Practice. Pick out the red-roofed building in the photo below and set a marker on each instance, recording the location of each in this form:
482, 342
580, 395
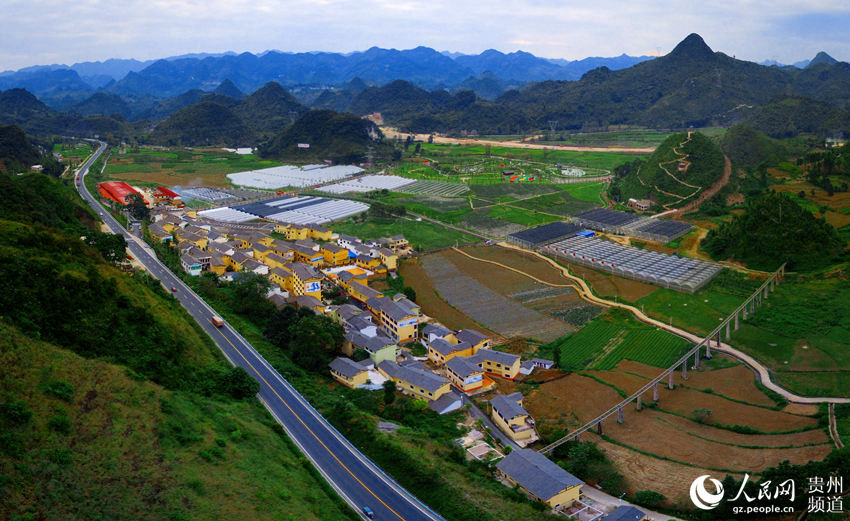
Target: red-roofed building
116, 191
164, 195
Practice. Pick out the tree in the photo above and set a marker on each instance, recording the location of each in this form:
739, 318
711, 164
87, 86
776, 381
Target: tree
389, 392
137, 207
701, 415
239, 384
649, 498
410, 293
249, 296
111, 246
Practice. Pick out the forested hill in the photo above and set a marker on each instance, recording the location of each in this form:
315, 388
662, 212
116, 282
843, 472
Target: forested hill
690, 86
774, 229
221, 120
336, 136
681, 168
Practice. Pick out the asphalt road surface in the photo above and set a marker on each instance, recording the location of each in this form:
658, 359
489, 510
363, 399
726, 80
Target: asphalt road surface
354, 477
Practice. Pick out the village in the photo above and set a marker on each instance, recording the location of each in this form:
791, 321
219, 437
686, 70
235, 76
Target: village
450, 369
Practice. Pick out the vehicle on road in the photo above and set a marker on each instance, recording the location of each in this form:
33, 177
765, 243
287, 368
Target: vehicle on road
368, 512
173, 288
217, 321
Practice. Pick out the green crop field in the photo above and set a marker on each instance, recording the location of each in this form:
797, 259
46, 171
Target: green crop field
180, 166
615, 336
422, 235
649, 346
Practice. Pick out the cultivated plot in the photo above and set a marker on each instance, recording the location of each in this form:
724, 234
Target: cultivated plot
485, 306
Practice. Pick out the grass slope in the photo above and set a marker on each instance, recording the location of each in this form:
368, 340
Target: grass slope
102, 445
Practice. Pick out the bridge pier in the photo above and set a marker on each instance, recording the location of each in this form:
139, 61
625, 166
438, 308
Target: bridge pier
729, 330
766, 292
670, 381
716, 339
599, 428
707, 350
620, 415
736, 319
758, 297
655, 391
696, 359
640, 402
685, 370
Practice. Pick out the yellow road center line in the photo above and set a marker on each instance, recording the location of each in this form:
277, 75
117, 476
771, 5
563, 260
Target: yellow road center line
308, 428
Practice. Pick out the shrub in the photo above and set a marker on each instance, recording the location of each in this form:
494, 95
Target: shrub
16, 412
60, 423
61, 389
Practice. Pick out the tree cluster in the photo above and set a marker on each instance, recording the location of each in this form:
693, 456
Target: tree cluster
308, 339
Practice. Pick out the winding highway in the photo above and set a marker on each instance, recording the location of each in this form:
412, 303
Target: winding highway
352, 475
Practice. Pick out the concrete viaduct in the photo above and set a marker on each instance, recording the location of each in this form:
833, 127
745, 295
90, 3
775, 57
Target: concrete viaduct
724, 329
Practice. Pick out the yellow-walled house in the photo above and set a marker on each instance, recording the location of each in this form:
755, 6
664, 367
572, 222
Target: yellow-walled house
260, 251
499, 363
319, 233
415, 380
334, 255
217, 264
394, 320
348, 372
388, 258
273, 260
267, 241
280, 277
305, 280
467, 377
511, 418
540, 478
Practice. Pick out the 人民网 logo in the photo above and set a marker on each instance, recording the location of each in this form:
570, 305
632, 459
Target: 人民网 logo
701, 497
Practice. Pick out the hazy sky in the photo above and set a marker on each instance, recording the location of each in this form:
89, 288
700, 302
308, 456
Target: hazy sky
52, 31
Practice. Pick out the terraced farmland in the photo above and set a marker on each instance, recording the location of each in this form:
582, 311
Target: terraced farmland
607, 340
434, 188
494, 311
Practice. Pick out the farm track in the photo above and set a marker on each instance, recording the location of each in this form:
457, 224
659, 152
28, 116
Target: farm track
833, 428
392, 133
584, 291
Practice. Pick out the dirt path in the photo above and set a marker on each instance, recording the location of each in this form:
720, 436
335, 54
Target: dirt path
709, 192
584, 291
392, 133
833, 428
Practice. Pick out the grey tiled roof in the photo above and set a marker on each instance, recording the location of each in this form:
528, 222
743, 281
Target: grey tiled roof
470, 335
346, 367
507, 406
625, 513
461, 367
373, 344
393, 310
435, 329
445, 348
451, 401
536, 473
418, 377
498, 357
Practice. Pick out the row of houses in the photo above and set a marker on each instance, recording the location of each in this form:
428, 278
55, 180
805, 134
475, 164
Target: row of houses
291, 264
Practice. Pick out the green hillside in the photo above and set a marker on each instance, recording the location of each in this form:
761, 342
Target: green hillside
774, 229
84, 439
679, 169
114, 404
748, 147
340, 137
204, 123
794, 115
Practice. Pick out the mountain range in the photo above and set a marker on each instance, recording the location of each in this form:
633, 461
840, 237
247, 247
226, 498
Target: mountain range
690, 86
61, 86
